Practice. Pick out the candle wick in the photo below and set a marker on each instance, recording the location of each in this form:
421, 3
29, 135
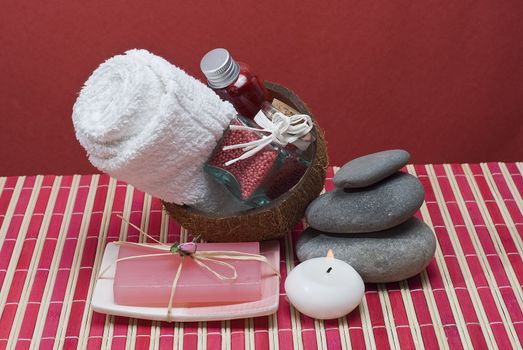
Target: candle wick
329, 269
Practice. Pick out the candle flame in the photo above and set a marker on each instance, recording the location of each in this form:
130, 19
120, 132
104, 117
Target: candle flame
330, 254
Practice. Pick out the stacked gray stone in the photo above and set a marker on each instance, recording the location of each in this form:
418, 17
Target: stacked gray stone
368, 220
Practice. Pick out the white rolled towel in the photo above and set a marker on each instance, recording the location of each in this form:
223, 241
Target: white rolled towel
145, 121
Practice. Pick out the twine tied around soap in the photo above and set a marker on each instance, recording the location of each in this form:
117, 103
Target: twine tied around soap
281, 130
189, 249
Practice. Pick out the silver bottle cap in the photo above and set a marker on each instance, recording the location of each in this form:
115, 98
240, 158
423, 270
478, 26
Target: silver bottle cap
219, 68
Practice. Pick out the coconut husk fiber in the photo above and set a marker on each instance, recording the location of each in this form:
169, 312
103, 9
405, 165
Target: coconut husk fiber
280, 215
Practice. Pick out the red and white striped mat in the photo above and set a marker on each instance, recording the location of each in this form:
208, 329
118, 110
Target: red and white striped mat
53, 230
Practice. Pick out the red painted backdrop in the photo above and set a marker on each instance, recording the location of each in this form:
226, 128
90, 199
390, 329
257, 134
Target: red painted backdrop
442, 79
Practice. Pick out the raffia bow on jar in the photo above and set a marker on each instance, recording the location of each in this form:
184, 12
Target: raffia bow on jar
204, 259
249, 156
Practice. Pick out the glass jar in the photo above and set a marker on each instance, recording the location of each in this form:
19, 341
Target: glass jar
247, 178
256, 165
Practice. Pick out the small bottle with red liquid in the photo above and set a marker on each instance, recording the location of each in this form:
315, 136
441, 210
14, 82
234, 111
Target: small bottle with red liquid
234, 82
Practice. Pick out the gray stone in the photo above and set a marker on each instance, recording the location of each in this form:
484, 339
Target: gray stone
380, 257
370, 169
375, 208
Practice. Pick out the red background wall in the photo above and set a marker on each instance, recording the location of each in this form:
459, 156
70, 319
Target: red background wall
442, 79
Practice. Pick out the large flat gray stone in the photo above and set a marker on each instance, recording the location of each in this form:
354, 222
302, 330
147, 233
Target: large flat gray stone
374, 208
387, 256
370, 169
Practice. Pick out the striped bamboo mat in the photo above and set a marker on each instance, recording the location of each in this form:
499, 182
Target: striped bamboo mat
53, 230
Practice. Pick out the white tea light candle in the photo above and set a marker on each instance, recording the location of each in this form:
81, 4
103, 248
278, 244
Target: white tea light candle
324, 288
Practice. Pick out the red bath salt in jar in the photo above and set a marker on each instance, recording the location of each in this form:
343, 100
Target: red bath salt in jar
254, 160
245, 178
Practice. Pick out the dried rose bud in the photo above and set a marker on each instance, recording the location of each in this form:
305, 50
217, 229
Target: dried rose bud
187, 248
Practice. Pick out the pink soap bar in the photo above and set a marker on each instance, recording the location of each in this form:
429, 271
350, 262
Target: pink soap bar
147, 281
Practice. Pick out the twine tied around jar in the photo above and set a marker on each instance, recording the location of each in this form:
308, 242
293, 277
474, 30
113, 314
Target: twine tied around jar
281, 130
